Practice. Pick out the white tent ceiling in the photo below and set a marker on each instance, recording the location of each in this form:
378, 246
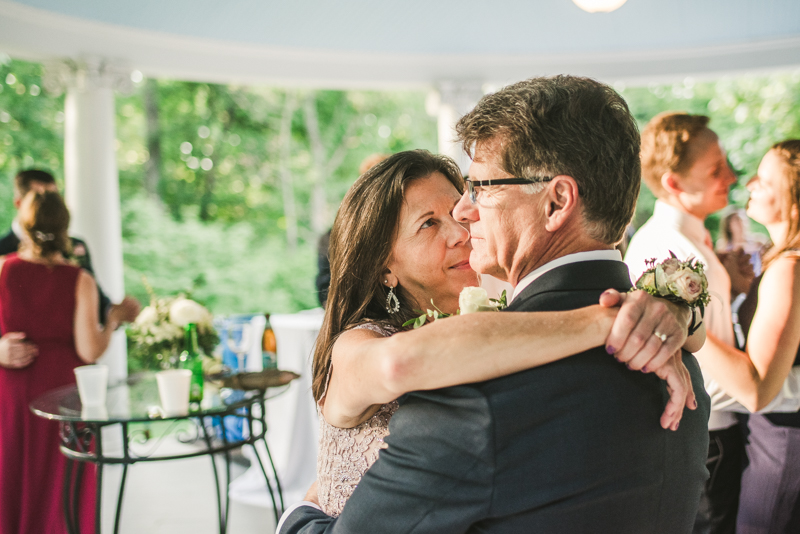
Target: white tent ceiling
369, 43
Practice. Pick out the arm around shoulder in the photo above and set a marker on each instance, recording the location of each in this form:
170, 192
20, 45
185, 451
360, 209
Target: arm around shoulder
369, 369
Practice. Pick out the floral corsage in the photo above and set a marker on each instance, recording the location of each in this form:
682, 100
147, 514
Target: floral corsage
470, 300
683, 282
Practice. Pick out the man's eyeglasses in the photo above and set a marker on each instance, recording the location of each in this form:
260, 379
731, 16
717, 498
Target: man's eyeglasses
472, 184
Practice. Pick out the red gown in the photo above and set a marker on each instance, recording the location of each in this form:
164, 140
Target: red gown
40, 301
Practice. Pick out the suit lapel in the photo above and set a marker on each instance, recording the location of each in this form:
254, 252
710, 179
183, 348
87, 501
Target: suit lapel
577, 277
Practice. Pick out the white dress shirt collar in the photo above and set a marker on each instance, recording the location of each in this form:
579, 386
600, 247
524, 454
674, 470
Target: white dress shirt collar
592, 255
16, 228
688, 225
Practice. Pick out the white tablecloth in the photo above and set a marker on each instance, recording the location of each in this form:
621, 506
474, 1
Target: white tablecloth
291, 417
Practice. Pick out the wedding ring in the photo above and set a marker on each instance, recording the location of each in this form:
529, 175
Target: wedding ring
660, 336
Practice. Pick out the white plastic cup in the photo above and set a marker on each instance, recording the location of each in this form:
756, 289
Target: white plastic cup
92, 384
173, 388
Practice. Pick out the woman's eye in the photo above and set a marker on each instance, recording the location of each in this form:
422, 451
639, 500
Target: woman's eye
427, 224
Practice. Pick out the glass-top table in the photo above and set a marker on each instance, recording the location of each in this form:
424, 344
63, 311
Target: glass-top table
136, 401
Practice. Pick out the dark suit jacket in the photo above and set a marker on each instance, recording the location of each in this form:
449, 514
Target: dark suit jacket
574, 446
10, 243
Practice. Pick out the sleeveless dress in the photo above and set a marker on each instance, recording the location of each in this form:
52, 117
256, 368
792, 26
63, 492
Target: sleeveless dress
769, 502
38, 300
345, 454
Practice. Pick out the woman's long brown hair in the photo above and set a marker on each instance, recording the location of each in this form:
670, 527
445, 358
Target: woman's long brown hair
361, 243
789, 153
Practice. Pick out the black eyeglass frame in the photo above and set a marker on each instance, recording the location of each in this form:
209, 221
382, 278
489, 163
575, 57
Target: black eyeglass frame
471, 184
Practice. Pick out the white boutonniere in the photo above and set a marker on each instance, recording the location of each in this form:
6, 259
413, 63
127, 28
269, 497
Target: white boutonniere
470, 300
677, 281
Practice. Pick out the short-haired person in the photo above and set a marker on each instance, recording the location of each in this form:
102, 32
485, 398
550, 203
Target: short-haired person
685, 166
13, 346
571, 446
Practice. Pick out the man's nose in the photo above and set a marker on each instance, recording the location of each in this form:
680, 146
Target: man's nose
465, 211
751, 183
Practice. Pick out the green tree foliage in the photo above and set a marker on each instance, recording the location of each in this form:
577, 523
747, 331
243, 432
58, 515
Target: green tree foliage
749, 114
31, 127
225, 189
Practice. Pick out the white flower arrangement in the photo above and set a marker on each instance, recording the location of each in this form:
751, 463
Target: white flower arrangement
156, 337
677, 281
470, 300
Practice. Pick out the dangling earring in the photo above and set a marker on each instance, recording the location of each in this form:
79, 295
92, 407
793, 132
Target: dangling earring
392, 304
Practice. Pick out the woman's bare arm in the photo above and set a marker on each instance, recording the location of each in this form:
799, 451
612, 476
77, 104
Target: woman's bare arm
370, 370
91, 341
755, 377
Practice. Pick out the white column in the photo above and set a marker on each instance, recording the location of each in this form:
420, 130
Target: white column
92, 179
450, 103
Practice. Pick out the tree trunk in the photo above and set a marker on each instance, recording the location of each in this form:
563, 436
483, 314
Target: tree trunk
152, 167
208, 194
287, 180
319, 201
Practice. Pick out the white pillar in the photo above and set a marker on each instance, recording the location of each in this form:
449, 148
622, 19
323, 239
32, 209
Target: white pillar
452, 101
92, 179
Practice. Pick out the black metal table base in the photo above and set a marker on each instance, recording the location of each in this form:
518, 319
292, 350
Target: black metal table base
82, 443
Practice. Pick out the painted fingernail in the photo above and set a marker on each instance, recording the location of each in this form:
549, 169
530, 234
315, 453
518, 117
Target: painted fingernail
677, 425
610, 349
694, 403
629, 366
644, 369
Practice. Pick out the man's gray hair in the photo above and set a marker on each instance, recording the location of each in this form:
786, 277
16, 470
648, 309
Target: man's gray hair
566, 125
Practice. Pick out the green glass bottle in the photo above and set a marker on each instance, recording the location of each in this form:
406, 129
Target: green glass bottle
192, 360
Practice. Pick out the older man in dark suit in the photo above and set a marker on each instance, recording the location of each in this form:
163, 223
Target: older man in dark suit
569, 447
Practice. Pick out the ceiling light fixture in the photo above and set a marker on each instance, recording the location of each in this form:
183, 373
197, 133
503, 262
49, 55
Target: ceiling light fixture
599, 6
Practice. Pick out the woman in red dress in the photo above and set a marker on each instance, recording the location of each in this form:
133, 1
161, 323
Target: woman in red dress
53, 304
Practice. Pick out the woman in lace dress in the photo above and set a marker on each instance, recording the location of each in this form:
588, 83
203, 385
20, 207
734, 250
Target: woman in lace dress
395, 248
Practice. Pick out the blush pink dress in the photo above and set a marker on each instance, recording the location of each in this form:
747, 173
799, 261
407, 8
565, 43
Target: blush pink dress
345, 454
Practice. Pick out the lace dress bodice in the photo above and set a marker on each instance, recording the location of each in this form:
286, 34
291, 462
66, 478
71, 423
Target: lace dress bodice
345, 454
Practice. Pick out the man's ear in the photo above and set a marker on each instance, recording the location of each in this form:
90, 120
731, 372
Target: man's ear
561, 201
671, 183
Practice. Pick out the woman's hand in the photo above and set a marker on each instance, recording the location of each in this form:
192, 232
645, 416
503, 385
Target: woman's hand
311, 494
647, 331
679, 386
15, 352
648, 335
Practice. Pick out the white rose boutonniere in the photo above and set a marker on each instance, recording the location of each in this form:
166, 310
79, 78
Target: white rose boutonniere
470, 300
